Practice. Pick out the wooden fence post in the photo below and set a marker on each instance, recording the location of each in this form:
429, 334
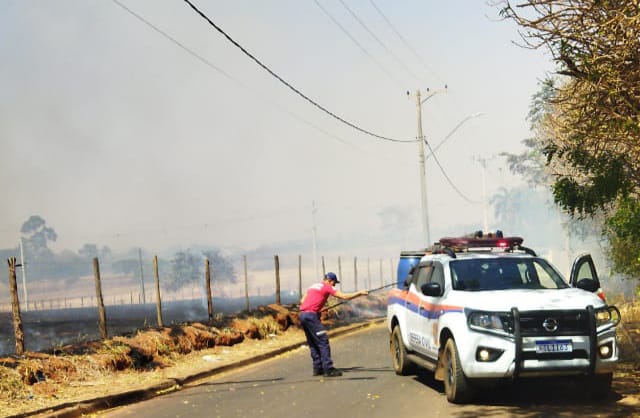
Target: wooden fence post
101, 313
299, 276
207, 271
247, 306
15, 305
355, 272
277, 262
144, 299
391, 269
158, 299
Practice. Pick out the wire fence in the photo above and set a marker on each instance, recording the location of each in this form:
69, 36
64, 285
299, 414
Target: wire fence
42, 293
54, 312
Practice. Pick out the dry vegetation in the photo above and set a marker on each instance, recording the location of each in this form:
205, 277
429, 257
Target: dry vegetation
74, 373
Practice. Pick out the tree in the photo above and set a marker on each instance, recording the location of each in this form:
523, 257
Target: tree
594, 117
588, 127
128, 266
185, 268
531, 164
221, 267
36, 235
88, 251
623, 229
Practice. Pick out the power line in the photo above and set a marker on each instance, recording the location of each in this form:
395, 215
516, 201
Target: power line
353, 39
373, 35
238, 82
179, 44
406, 43
462, 195
291, 87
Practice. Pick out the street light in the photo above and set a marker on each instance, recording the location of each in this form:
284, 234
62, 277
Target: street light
422, 158
423, 175
471, 116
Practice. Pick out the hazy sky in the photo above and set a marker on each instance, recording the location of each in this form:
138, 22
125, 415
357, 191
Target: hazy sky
118, 136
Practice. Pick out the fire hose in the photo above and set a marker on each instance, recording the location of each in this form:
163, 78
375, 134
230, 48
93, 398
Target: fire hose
326, 308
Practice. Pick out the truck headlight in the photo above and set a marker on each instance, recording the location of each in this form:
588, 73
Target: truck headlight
495, 322
607, 317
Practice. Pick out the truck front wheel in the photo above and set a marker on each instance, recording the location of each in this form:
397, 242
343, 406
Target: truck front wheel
456, 385
599, 386
401, 364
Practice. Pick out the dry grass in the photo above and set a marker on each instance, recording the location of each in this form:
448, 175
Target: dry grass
36, 380
75, 372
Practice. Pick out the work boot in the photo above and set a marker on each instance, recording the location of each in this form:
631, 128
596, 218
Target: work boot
332, 372
318, 372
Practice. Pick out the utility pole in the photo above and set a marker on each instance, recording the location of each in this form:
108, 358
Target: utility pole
485, 210
315, 238
421, 160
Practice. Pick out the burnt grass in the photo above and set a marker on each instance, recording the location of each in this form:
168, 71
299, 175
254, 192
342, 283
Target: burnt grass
133, 347
48, 329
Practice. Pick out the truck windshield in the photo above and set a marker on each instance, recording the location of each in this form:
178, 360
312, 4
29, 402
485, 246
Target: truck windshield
504, 273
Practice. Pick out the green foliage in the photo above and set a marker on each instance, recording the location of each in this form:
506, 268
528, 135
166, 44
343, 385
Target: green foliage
586, 121
623, 230
588, 126
608, 180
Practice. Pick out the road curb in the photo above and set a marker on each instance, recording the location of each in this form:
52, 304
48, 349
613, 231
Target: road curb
172, 384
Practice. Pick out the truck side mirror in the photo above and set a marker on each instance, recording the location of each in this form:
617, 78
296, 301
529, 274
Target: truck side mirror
431, 289
590, 285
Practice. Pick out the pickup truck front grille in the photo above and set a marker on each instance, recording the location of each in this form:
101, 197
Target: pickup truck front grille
554, 323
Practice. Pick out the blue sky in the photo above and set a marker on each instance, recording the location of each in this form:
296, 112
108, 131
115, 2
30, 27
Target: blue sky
119, 137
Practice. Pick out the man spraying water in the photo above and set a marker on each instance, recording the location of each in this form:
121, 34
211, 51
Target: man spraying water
317, 339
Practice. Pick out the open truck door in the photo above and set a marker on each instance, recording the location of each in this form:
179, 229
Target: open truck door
584, 275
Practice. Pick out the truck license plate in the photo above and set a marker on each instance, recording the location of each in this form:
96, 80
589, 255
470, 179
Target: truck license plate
562, 346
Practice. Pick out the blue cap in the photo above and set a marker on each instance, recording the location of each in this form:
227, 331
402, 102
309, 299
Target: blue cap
331, 276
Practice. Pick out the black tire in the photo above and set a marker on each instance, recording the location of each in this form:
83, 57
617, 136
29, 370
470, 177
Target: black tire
456, 386
401, 364
599, 386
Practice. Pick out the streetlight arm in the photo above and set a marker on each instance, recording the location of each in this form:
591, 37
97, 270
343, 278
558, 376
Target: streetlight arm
433, 93
474, 115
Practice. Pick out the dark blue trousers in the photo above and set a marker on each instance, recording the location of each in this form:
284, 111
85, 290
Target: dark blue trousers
317, 339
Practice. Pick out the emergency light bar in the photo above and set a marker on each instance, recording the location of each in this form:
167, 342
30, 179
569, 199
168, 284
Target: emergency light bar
466, 243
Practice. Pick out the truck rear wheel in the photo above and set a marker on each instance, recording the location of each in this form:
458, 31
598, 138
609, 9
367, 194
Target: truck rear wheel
401, 364
456, 385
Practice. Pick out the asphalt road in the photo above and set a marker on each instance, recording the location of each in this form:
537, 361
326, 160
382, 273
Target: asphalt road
283, 387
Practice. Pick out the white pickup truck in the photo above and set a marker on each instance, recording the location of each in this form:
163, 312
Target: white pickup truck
480, 309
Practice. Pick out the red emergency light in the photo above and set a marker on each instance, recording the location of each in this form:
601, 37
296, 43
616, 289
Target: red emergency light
490, 242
